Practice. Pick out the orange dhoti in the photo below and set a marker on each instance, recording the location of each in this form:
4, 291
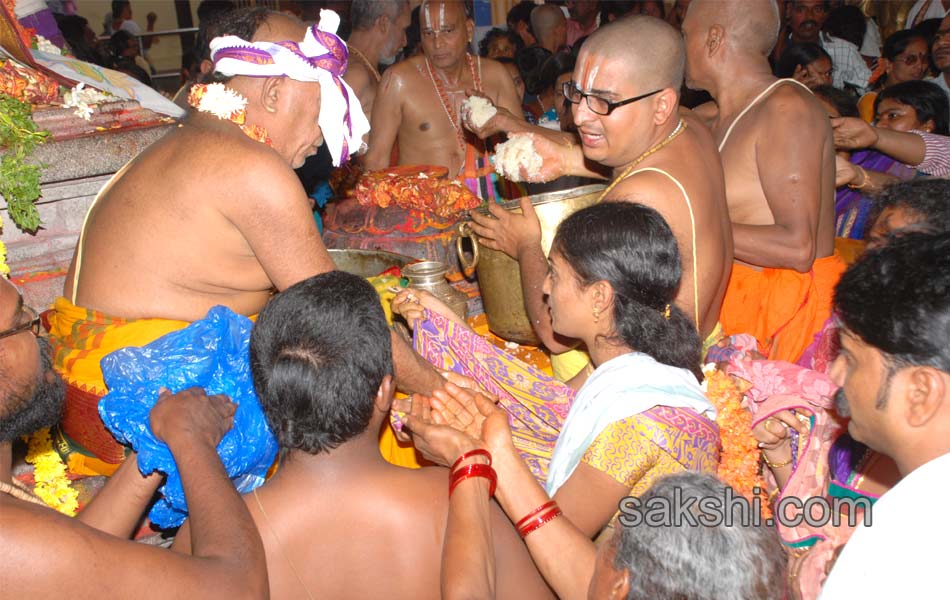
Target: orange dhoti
782, 308
80, 338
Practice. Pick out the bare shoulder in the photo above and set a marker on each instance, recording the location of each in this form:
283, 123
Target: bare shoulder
787, 103
492, 68
403, 71
647, 187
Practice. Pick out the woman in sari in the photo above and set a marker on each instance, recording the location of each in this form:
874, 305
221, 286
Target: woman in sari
614, 272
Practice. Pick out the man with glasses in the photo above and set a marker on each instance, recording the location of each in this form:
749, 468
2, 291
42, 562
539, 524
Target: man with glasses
625, 96
44, 551
940, 51
778, 157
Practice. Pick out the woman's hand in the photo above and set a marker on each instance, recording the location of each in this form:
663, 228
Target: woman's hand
846, 173
773, 434
851, 133
436, 440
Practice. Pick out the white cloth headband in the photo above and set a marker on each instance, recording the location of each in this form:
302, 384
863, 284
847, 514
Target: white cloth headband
322, 58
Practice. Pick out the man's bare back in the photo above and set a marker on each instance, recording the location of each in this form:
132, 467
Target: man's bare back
410, 112
693, 161
188, 225
375, 531
779, 169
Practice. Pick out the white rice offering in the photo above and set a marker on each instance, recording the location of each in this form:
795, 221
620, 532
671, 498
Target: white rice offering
479, 110
517, 153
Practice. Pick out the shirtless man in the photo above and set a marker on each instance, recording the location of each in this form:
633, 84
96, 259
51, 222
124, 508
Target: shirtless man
379, 33
418, 108
229, 228
633, 69
321, 363
778, 157
49, 555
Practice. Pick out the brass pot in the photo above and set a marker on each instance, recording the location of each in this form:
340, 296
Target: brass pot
499, 278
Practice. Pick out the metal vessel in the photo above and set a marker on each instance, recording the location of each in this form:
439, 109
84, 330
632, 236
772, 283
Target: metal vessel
499, 278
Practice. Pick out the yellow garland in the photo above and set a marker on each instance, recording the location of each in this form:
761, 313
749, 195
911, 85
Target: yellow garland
4, 269
52, 484
739, 461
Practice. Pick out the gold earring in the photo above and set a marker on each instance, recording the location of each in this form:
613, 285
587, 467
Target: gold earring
596, 314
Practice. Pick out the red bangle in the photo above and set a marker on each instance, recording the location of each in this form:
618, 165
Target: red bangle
539, 521
470, 454
534, 512
474, 471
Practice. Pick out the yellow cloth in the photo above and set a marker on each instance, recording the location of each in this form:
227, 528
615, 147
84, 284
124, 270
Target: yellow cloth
625, 451
80, 338
568, 364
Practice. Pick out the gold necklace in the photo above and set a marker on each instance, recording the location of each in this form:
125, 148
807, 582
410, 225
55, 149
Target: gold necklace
365, 61
280, 545
680, 128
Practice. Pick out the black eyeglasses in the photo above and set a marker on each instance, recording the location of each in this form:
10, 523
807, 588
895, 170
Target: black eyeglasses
33, 324
596, 104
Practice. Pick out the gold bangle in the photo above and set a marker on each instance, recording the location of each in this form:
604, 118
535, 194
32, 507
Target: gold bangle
864, 175
772, 465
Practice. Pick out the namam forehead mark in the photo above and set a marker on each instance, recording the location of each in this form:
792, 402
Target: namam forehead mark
443, 21
598, 75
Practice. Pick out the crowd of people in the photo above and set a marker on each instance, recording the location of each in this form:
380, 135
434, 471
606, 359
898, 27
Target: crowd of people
737, 141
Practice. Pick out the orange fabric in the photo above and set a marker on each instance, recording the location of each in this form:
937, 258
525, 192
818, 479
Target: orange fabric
866, 106
783, 309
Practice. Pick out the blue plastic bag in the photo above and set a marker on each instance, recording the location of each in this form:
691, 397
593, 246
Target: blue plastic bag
213, 354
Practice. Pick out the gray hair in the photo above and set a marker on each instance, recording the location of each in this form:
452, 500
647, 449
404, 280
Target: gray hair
363, 13
731, 561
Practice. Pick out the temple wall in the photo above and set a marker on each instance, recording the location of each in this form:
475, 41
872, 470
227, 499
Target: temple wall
76, 169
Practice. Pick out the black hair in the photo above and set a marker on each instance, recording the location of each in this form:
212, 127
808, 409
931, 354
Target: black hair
928, 28
241, 22
616, 9
520, 13
926, 200
496, 33
119, 43
799, 55
847, 23
896, 298
926, 98
319, 352
530, 61
843, 100
212, 8
117, 6
555, 66
631, 247
30, 405
897, 42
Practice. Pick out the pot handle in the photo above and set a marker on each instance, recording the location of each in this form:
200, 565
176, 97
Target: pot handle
465, 231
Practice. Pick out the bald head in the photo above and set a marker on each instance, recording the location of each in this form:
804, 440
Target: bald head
751, 26
545, 19
280, 27
649, 48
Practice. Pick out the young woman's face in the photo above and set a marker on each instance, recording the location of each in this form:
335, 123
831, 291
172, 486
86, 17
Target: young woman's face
569, 302
898, 116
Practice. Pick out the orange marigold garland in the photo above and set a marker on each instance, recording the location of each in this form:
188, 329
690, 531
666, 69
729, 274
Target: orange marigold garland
739, 463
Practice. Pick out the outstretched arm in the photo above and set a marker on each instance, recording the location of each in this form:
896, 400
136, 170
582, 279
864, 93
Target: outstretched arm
228, 559
118, 508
